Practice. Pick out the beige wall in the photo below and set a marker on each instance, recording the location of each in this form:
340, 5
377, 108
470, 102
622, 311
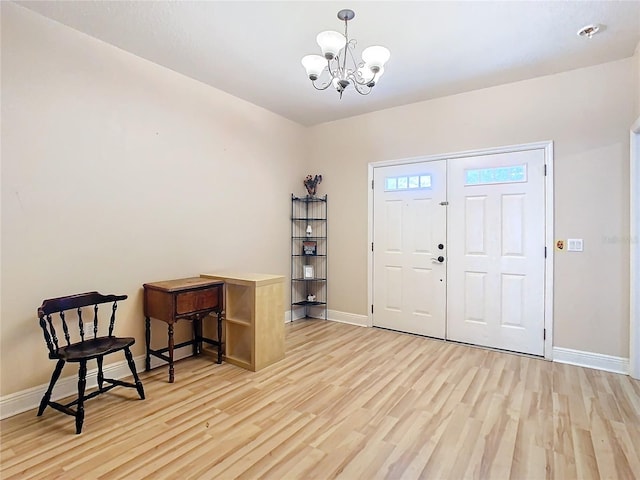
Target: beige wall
586, 112
115, 172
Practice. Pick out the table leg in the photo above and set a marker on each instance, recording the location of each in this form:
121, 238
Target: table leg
147, 338
194, 336
219, 337
170, 344
197, 335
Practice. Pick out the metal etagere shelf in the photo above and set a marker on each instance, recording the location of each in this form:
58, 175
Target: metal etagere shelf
308, 257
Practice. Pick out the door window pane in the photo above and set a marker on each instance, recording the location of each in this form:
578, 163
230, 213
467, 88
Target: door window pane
488, 176
390, 183
425, 181
406, 183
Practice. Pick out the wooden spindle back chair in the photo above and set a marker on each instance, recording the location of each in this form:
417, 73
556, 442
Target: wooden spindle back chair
69, 340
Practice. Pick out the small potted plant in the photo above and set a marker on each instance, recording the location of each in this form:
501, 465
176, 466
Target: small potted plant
311, 184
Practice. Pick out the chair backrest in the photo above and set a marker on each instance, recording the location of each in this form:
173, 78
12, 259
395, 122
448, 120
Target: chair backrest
49, 321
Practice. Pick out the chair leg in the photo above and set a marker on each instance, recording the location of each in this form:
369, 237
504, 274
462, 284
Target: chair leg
132, 366
47, 396
82, 383
100, 374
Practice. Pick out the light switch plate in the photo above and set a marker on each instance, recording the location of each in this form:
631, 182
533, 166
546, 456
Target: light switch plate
574, 245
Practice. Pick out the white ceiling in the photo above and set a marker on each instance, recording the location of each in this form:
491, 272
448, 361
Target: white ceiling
253, 49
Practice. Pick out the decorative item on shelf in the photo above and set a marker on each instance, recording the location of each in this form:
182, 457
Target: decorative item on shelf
336, 48
309, 248
311, 298
312, 183
309, 231
307, 272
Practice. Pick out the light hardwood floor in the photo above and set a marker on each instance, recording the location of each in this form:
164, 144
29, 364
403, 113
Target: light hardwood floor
351, 403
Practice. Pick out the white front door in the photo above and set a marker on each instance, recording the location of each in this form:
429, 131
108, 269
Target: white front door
409, 236
496, 247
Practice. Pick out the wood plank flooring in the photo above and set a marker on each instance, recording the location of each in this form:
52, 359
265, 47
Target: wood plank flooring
346, 402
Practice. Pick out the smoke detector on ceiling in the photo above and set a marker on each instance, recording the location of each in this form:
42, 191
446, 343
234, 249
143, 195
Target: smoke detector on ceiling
589, 30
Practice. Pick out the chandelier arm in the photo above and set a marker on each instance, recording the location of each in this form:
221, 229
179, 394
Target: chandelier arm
354, 75
358, 88
336, 72
323, 87
359, 82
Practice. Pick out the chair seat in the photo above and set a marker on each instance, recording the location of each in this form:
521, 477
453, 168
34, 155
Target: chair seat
93, 348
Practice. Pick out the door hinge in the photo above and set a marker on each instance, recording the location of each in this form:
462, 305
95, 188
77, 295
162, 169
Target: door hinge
444, 203
372, 308
544, 333
545, 169
372, 246
545, 252
371, 184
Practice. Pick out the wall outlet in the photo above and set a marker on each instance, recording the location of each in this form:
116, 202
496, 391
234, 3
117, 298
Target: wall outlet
574, 245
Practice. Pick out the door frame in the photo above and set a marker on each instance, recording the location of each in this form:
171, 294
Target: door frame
547, 146
634, 252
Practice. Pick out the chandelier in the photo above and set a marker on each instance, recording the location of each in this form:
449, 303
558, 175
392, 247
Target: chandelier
344, 71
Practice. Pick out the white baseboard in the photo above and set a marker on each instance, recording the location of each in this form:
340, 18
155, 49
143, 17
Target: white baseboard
350, 318
297, 315
598, 361
313, 312
67, 386
333, 315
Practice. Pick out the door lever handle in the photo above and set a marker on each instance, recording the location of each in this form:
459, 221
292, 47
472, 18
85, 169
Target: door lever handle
440, 259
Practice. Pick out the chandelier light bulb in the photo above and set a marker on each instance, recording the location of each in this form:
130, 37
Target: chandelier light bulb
368, 75
314, 65
375, 57
331, 43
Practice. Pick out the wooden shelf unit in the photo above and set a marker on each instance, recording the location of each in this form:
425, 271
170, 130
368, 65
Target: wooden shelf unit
309, 250
254, 318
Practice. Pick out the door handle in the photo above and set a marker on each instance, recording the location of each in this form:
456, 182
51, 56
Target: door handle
440, 259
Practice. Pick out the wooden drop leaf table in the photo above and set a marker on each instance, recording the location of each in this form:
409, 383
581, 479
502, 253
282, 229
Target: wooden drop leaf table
182, 299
